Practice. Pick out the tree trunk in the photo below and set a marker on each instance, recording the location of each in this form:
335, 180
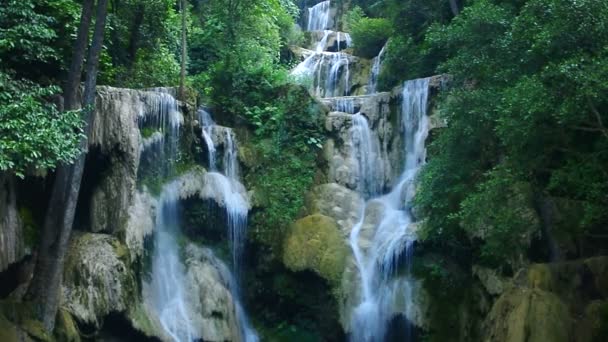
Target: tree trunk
140, 12
182, 78
454, 7
80, 46
46, 284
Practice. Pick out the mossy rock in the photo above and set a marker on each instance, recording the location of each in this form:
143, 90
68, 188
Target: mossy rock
315, 243
9, 332
531, 315
599, 269
540, 277
65, 327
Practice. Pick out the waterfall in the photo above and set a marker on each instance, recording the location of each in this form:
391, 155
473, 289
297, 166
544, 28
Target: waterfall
375, 73
319, 16
161, 111
392, 238
207, 124
226, 182
367, 152
328, 72
167, 270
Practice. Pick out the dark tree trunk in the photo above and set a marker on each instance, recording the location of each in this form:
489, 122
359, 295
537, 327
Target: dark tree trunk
80, 46
140, 12
182, 78
454, 7
46, 284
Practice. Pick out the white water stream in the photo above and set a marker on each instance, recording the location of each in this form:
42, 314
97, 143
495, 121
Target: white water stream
227, 182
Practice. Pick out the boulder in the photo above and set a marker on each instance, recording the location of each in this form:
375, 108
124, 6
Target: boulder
530, 315
141, 222
343, 205
493, 282
115, 134
209, 284
98, 278
315, 243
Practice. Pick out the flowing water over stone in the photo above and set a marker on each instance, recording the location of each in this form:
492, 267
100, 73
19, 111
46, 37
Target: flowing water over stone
329, 73
319, 17
382, 240
380, 245
168, 276
227, 184
372, 87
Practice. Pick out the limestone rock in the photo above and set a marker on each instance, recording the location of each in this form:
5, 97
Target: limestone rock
141, 222
98, 278
491, 280
343, 205
208, 287
315, 243
531, 315
116, 136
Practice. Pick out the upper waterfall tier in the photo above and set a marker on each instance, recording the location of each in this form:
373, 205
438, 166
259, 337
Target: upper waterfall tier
331, 74
327, 40
320, 17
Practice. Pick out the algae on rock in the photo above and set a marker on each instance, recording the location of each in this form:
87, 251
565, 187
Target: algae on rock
315, 243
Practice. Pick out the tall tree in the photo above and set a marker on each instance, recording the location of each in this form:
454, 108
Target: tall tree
182, 78
45, 286
454, 7
80, 48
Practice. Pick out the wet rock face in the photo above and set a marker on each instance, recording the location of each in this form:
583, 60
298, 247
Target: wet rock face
116, 135
552, 302
343, 150
531, 315
208, 286
98, 278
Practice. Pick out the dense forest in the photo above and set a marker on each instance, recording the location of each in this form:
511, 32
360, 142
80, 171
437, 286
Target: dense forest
304, 170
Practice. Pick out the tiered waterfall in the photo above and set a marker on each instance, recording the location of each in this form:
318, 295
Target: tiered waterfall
379, 160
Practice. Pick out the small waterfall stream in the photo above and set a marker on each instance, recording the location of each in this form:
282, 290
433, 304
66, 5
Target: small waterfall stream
226, 178
168, 273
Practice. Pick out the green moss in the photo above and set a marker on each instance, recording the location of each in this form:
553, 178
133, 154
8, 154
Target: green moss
140, 320
65, 327
315, 243
147, 132
31, 230
8, 331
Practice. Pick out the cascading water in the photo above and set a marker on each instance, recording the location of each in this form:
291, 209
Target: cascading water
168, 272
329, 72
226, 182
382, 241
167, 284
392, 238
375, 73
319, 16
367, 152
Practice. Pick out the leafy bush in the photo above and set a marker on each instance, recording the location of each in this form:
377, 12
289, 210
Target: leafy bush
152, 68
33, 133
369, 34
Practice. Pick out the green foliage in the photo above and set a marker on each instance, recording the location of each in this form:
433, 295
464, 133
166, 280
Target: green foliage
288, 135
369, 34
528, 107
154, 68
282, 179
33, 134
